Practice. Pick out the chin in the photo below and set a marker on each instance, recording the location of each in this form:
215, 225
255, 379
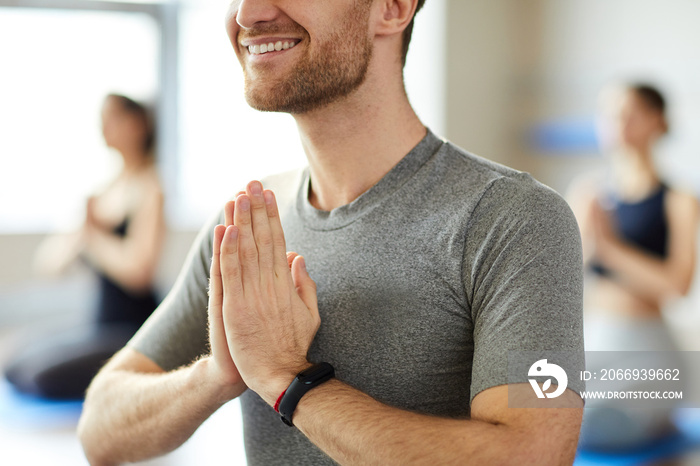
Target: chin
269, 101
263, 104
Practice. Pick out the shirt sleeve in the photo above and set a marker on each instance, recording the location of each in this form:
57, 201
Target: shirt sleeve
176, 333
523, 275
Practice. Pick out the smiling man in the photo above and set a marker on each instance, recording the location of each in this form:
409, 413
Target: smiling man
429, 266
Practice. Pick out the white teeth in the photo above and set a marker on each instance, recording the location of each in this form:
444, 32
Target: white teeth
271, 47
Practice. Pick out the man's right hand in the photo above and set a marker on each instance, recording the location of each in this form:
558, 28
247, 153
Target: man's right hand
132, 397
224, 371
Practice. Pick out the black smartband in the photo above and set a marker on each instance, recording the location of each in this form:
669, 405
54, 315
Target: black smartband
302, 383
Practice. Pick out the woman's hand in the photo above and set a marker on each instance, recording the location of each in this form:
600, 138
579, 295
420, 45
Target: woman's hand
604, 232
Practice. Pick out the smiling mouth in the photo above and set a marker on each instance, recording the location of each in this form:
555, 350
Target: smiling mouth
262, 49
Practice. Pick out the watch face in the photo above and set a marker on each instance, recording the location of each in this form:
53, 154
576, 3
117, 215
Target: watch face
316, 373
305, 381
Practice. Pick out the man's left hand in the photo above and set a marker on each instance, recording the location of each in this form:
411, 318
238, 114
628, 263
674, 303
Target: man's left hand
270, 310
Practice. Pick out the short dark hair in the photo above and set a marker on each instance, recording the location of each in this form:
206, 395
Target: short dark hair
650, 95
408, 32
654, 100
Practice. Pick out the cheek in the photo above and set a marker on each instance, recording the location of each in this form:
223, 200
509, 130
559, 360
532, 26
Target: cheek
643, 128
231, 24
133, 129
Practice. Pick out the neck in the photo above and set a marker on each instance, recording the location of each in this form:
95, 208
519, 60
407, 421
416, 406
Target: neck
351, 144
634, 172
134, 160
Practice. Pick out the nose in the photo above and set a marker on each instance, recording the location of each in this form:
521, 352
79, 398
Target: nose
251, 12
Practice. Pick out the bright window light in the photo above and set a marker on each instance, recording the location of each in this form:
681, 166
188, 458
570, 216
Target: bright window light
223, 143
57, 65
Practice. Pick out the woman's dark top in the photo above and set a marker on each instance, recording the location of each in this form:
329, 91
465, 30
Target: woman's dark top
62, 364
118, 305
642, 223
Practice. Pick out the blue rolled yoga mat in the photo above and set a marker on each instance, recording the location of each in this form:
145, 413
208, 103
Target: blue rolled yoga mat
19, 410
685, 440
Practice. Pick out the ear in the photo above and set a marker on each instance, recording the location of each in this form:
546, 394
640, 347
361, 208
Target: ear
395, 16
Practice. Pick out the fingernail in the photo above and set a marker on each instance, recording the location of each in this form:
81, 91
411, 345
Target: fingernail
303, 263
245, 203
268, 197
256, 188
234, 233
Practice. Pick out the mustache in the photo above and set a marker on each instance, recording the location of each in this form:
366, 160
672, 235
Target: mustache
271, 29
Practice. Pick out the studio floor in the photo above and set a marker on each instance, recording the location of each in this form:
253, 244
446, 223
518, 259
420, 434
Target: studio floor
32, 434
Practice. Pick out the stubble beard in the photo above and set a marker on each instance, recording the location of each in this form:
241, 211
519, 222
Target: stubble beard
339, 66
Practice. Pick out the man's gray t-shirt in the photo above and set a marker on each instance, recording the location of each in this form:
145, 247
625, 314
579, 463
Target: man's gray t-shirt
425, 282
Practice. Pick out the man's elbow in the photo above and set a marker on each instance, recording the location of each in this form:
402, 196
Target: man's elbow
89, 432
93, 457
554, 449
88, 435
91, 445
540, 444
553, 440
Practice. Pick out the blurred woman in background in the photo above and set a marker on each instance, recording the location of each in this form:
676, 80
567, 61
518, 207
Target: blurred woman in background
120, 240
639, 240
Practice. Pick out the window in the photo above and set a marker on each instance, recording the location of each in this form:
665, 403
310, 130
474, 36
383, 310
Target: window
223, 143
57, 65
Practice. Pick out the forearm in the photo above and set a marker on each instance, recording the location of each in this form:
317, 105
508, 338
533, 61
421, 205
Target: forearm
57, 253
652, 277
120, 260
130, 416
353, 428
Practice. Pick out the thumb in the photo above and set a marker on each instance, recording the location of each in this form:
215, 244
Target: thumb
290, 258
305, 286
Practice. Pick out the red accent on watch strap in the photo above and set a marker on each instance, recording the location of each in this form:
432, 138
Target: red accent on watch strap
277, 403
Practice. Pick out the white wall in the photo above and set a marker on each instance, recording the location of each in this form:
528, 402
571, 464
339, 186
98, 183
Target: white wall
586, 44
514, 63
479, 75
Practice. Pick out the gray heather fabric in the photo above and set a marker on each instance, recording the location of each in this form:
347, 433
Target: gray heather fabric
424, 283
